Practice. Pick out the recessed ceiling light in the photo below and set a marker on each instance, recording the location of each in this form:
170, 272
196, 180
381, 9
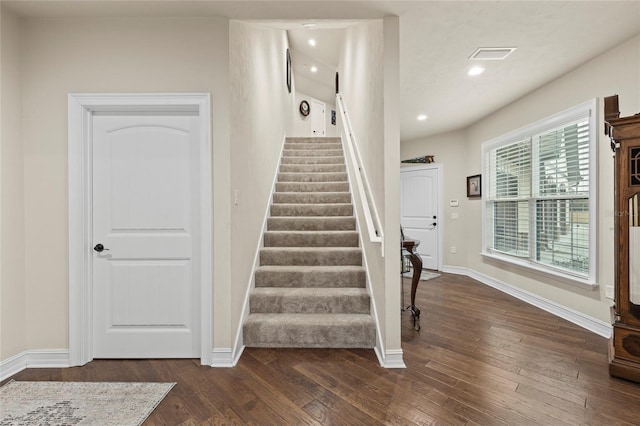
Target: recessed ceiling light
314, 69
475, 71
421, 117
312, 41
309, 25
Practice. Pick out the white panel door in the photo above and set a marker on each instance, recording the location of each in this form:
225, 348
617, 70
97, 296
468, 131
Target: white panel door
419, 212
145, 281
318, 118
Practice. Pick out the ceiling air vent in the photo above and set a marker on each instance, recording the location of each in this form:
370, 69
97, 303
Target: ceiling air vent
492, 53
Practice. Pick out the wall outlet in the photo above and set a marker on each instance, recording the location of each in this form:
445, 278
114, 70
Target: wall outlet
608, 291
454, 250
454, 216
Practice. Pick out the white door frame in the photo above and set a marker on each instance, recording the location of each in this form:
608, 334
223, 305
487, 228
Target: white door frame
324, 117
440, 228
81, 107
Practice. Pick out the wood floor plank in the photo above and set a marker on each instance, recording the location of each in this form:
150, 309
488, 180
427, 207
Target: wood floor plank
481, 358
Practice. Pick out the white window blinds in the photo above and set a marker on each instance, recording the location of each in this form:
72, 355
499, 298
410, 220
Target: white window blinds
538, 204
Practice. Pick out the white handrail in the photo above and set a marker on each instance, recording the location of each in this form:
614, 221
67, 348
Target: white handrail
371, 217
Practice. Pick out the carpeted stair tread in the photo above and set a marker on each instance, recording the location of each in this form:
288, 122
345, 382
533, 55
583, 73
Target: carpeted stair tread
312, 186
313, 160
310, 331
311, 197
310, 285
310, 276
311, 152
313, 140
311, 223
313, 168
310, 300
310, 146
312, 177
311, 256
311, 239
293, 209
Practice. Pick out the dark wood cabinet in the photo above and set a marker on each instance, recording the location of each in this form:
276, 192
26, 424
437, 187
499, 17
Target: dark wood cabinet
625, 142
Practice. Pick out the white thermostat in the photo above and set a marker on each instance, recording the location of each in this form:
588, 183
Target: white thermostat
453, 203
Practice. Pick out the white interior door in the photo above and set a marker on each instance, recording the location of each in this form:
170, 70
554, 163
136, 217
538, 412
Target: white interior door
318, 118
419, 207
145, 215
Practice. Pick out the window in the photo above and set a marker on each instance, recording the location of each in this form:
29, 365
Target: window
539, 208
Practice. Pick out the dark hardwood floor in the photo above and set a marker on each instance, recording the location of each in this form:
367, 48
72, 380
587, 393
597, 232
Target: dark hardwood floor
482, 357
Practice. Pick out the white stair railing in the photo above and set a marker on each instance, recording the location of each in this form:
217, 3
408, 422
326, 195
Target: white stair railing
372, 220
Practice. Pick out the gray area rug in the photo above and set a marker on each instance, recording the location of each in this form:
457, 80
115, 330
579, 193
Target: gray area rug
79, 403
426, 275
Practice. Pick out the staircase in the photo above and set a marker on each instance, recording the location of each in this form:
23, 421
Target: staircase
310, 285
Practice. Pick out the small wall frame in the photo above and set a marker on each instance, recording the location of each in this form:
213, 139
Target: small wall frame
474, 186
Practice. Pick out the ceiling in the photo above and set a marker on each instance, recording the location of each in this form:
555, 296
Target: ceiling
436, 39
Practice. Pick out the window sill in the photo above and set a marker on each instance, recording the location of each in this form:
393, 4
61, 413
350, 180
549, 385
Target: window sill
583, 283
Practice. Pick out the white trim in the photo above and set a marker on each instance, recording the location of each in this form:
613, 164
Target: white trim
13, 365
324, 118
81, 107
565, 277
458, 270
543, 124
440, 194
379, 349
223, 358
52, 358
585, 321
392, 359
588, 110
363, 189
238, 345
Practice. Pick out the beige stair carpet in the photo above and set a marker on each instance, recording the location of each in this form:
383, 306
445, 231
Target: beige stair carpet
310, 286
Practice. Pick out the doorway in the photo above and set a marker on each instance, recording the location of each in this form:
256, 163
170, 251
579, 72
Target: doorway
140, 226
421, 211
318, 118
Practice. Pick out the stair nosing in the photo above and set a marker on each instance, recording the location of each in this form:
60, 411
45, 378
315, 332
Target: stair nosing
298, 248
310, 268
310, 317
320, 231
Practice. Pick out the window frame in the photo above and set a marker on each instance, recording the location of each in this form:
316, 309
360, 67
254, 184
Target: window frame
584, 110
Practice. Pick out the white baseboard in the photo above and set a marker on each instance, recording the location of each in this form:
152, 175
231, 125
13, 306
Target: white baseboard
53, 358
223, 357
393, 359
458, 270
236, 357
589, 323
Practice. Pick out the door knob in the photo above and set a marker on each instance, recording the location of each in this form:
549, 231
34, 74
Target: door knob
99, 248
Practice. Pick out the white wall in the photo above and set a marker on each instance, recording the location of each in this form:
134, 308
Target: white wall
615, 72
362, 55
301, 125
261, 107
448, 149
369, 84
12, 249
107, 55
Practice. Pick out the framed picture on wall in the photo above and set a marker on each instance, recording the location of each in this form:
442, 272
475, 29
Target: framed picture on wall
474, 186
288, 76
